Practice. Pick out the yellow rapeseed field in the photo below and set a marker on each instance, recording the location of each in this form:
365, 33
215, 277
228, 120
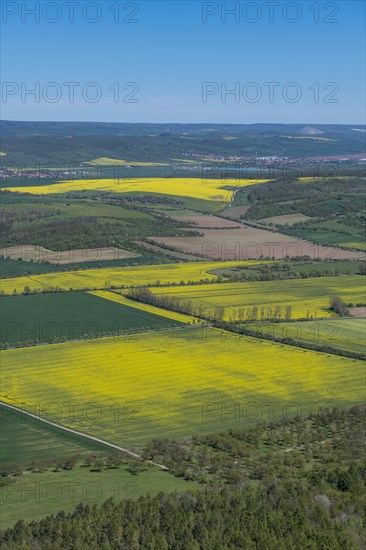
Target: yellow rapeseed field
198, 188
119, 299
180, 382
304, 295
91, 279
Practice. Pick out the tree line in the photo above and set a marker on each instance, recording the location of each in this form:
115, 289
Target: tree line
215, 313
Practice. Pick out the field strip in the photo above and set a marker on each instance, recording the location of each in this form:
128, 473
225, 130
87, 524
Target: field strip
212, 190
120, 299
81, 434
126, 335
121, 277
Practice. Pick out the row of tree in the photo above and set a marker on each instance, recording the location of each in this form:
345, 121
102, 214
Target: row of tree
216, 313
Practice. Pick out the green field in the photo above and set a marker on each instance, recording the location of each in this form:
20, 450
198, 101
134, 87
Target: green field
343, 334
44, 317
337, 267
333, 233
61, 209
24, 439
32, 496
16, 268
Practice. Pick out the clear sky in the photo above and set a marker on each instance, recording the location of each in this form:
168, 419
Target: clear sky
176, 61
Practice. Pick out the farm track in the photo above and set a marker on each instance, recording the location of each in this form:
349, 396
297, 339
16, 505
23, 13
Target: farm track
81, 434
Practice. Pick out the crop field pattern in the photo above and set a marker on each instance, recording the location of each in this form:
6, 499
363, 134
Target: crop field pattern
176, 383
117, 298
90, 279
42, 317
308, 297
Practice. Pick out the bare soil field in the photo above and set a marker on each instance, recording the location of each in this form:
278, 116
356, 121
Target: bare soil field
40, 254
90, 255
26, 252
357, 311
235, 211
249, 243
207, 221
173, 253
289, 219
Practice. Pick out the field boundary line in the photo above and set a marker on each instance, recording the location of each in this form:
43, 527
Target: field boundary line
116, 336
81, 434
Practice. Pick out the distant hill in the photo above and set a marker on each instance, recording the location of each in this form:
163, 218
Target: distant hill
30, 142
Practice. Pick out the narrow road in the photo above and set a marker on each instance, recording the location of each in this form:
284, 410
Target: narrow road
81, 434
233, 197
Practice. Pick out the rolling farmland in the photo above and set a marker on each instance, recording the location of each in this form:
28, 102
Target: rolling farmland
308, 297
175, 383
183, 304
91, 279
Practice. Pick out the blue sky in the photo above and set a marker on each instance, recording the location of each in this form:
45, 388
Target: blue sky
175, 61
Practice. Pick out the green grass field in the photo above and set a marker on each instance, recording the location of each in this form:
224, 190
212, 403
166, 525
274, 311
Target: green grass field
32, 496
16, 268
24, 439
70, 315
62, 209
333, 233
344, 334
338, 267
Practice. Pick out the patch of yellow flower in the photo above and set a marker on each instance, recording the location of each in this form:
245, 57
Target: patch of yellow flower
119, 299
104, 278
131, 389
210, 189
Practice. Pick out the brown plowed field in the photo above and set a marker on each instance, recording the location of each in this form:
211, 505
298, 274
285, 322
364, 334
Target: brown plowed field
207, 221
252, 243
